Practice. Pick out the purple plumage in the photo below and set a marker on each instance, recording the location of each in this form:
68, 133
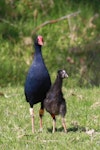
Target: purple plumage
37, 81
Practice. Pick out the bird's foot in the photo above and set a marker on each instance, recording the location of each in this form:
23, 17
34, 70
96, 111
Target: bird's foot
33, 130
65, 131
40, 130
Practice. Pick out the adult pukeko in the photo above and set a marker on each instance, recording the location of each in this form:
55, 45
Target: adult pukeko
37, 81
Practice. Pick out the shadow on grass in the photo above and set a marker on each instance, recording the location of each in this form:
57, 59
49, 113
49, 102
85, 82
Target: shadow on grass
72, 129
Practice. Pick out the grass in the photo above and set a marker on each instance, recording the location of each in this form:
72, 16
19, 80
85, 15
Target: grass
83, 114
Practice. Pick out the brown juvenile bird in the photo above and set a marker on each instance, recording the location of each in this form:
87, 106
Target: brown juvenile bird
54, 102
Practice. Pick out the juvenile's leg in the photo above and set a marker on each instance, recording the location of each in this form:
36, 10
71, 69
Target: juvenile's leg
64, 124
54, 123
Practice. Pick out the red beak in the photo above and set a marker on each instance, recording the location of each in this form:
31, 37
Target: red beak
40, 43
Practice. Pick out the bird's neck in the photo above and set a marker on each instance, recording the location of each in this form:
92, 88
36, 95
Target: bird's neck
58, 83
37, 49
38, 54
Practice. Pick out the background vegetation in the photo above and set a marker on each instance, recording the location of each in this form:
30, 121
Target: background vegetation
73, 44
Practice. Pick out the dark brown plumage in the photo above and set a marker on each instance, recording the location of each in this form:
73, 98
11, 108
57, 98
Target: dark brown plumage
54, 102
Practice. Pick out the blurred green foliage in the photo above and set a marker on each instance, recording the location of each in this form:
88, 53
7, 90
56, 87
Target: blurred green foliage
73, 44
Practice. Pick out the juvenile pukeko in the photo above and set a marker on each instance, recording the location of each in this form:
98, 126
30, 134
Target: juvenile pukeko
54, 102
37, 81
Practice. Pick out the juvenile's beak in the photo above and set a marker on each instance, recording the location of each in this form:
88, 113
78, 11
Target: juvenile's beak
66, 75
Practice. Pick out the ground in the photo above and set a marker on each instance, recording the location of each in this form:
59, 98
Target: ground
82, 120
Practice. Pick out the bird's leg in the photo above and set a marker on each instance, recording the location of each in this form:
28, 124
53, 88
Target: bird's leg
32, 119
41, 113
54, 123
64, 124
